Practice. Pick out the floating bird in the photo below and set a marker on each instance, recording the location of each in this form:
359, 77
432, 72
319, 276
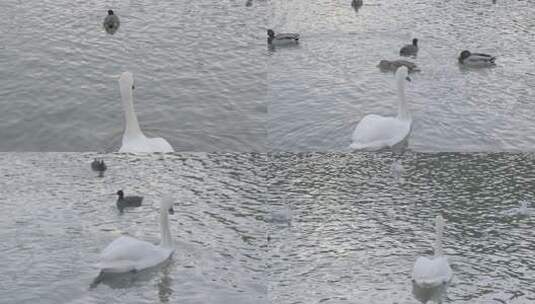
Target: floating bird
476, 59
111, 23
134, 140
432, 272
356, 4
410, 49
249, 3
282, 38
387, 65
127, 254
98, 166
523, 210
128, 201
375, 132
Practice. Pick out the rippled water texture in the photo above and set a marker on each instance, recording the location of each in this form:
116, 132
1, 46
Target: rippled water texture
356, 230
319, 90
57, 216
199, 80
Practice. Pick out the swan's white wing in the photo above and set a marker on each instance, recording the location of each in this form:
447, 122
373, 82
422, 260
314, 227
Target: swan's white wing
431, 272
142, 144
128, 254
160, 145
375, 132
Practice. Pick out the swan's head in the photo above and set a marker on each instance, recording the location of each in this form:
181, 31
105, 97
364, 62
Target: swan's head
127, 80
167, 204
415, 42
270, 33
110, 12
464, 54
402, 74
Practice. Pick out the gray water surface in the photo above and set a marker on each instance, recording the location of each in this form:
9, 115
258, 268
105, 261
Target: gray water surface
319, 90
199, 80
57, 216
356, 230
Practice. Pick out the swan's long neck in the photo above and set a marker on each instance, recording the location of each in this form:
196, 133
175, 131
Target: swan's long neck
164, 226
132, 125
403, 110
439, 228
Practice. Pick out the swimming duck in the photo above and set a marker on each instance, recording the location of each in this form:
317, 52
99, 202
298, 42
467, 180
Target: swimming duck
128, 201
249, 3
98, 166
476, 59
387, 65
410, 49
111, 23
356, 4
282, 38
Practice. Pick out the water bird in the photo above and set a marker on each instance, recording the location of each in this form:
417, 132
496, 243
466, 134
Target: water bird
128, 201
111, 23
282, 38
522, 210
432, 272
249, 3
356, 4
387, 65
410, 49
375, 132
99, 166
134, 140
476, 59
127, 254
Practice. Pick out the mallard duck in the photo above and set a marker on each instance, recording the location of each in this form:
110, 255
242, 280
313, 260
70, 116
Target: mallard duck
98, 166
410, 49
111, 23
476, 59
282, 38
356, 4
387, 65
128, 201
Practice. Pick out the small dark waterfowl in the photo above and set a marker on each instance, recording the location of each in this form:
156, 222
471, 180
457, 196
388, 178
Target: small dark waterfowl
111, 23
410, 49
128, 201
282, 38
387, 65
476, 59
356, 4
99, 166
249, 3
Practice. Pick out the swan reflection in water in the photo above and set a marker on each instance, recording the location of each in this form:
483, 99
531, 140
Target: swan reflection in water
133, 279
434, 294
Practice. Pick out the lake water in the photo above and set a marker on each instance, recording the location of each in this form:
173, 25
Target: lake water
319, 90
356, 229
58, 216
198, 68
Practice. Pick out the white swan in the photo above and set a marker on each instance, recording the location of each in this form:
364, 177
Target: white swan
431, 272
376, 132
134, 140
127, 254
